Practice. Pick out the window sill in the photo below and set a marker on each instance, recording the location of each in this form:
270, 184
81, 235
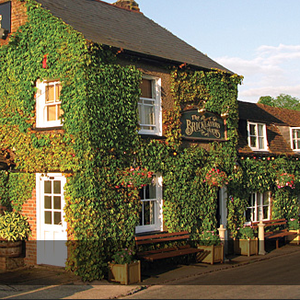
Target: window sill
48, 128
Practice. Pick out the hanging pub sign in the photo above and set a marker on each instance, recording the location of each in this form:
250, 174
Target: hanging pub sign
204, 126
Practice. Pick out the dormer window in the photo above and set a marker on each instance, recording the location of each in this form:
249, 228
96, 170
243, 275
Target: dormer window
257, 136
150, 106
48, 104
295, 138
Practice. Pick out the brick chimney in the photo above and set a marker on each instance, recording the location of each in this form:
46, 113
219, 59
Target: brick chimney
128, 4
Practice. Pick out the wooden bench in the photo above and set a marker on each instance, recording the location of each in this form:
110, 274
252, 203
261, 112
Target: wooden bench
276, 233
152, 255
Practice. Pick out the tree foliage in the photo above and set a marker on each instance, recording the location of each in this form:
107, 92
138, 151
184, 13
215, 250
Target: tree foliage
282, 101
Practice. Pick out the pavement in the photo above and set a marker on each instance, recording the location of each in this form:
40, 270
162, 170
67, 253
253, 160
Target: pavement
47, 282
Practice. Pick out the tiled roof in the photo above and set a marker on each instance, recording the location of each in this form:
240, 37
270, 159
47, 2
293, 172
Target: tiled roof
107, 24
287, 116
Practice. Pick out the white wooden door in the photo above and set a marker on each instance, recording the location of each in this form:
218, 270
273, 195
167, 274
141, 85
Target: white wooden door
51, 226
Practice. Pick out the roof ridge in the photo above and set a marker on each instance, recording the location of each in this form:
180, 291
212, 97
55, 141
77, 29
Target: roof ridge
111, 4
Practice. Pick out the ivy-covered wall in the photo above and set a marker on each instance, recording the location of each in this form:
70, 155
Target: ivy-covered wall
99, 145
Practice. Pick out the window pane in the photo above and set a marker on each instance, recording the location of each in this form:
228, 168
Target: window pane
253, 141
48, 217
51, 113
49, 94
59, 111
248, 215
252, 129
266, 199
146, 87
152, 191
149, 115
57, 92
47, 187
298, 144
260, 130
266, 212
48, 204
149, 212
57, 187
57, 218
261, 143
57, 202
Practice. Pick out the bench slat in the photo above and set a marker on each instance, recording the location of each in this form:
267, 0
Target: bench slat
160, 235
158, 240
172, 254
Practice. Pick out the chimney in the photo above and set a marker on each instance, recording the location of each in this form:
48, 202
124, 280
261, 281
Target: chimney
128, 4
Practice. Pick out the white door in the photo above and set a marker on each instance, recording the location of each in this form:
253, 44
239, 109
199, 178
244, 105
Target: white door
51, 226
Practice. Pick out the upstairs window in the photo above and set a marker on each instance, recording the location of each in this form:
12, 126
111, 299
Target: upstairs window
48, 104
257, 136
295, 138
259, 207
150, 106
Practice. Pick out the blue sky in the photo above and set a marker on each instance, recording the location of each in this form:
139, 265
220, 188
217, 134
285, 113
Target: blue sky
258, 39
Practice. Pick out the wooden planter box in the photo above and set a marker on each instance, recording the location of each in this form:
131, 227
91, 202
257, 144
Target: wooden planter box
293, 239
210, 254
10, 249
246, 247
125, 274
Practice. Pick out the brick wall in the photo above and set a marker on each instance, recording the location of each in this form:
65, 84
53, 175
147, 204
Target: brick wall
18, 17
29, 210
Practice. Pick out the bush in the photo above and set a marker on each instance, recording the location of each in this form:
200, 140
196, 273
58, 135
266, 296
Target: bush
14, 227
208, 238
246, 232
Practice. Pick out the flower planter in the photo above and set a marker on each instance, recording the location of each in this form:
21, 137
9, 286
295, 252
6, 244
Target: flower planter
210, 254
246, 246
294, 239
10, 249
125, 273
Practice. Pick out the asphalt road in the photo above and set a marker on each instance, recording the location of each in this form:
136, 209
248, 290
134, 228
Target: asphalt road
274, 278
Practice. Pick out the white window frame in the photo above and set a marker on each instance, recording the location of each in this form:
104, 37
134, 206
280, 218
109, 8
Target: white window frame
158, 217
264, 136
293, 138
257, 207
156, 91
41, 106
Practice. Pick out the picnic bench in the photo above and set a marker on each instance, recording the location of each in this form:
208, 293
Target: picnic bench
278, 231
164, 237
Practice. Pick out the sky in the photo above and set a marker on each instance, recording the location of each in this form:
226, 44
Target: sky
258, 39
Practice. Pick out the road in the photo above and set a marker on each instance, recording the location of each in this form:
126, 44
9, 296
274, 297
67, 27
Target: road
275, 278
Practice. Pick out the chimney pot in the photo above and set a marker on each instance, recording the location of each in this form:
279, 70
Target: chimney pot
128, 4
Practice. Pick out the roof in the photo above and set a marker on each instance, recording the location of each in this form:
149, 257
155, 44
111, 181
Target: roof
257, 113
110, 25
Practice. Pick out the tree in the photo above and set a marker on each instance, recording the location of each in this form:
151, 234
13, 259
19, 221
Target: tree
282, 101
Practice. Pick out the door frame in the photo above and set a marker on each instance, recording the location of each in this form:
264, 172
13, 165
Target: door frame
40, 216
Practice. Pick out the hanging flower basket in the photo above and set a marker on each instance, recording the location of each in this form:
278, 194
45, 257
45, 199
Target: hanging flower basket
285, 180
216, 177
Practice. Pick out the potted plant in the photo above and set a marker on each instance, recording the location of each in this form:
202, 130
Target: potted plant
285, 180
213, 250
14, 228
216, 177
294, 226
246, 243
124, 268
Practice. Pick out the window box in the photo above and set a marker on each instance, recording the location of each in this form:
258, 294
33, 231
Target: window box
246, 246
211, 254
125, 273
